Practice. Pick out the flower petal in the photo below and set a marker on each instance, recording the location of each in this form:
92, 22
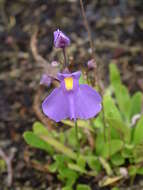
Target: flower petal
56, 105
87, 102
75, 75
45, 80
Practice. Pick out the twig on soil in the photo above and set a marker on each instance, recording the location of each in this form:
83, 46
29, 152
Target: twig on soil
8, 161
34, 163
45, 65
36, 107
113, 45
39, 59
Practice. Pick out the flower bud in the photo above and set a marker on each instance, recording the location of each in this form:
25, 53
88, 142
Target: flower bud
91, 64
55, 64
45, 80
60, 39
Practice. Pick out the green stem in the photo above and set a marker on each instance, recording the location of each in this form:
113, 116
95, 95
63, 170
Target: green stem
65, 59
77, 138
104, 123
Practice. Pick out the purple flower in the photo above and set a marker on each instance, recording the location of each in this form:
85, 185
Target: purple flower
45, 80
60, 39
72, 100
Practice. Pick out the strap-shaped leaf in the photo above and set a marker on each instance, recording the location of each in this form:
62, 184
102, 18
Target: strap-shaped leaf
83, 187
110, 109
81, 123
59, 146
136, 104
34, 141
138, 132
114, 75
123, 101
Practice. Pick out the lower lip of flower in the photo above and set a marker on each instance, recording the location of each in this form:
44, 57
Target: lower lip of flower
68, 83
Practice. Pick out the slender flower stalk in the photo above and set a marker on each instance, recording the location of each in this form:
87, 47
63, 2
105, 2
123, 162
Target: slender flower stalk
97, 78
61, 41
65, 59
87, 27
77, 137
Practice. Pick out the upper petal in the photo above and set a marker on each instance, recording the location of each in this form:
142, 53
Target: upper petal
45, 80
75, 75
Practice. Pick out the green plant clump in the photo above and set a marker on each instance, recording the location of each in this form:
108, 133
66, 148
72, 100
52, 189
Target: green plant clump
117, 139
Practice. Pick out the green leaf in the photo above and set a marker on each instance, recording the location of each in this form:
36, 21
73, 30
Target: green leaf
38, 128
119, 129
106, 166
2, 166
115, 188
81, 162
138, 153
109, 181
65, 174
68, 175
94, 163
82, 80
117, 160
62, 137
71, 137
140, 171
114, 75
34, 141
121, 92
76, 168
61, 161
132, 170
124, 101
110, 109
127, 153
53, 167
112, 147
138, 132
83, 187
67, 188
98, 121
59, 146
136, 104
99, 143
81, 123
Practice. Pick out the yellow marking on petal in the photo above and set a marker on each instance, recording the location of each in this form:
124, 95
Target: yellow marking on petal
68, 83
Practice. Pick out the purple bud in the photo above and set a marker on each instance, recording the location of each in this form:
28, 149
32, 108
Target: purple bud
60, 39
54, 63
91, 64
45, 80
